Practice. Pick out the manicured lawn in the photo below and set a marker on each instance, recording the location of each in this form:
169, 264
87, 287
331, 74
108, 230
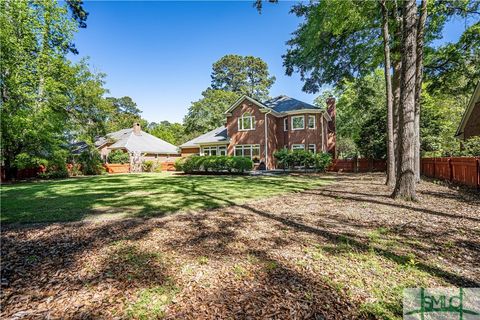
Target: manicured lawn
138, 195
345, 250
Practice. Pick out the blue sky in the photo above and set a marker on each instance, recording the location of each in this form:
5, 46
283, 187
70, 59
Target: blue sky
161, 53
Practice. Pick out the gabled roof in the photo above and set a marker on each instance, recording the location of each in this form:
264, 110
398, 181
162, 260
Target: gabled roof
137, 142
466, 115
277, 105
287, 104
215, 136
239, 101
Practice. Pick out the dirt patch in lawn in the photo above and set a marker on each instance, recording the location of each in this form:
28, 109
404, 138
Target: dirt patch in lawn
342, 251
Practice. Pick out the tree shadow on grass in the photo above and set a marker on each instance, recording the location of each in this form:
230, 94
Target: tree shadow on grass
452, 278
134, 196
338, 194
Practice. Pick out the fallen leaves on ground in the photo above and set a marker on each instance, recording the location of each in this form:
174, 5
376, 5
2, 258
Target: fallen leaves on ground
342, 251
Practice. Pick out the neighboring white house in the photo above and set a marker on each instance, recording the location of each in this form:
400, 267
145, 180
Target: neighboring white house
135, 142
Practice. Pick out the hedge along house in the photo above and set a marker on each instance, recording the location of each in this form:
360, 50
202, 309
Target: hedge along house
256, 130
137, 143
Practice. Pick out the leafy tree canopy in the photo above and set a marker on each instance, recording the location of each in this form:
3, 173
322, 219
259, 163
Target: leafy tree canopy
124, 114
361, 118
208, 113
170, 132
47, 101
243, 75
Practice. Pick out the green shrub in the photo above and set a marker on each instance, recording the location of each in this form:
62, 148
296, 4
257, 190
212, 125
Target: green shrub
179, 164
90, 162
282, 157
322, 161
289, 159
147, 165
214, 164
57, 166
118, 156
26, 161
303, 158
157, 167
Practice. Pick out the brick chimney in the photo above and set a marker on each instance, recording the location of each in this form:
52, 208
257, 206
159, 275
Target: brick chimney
332, 131
137, 129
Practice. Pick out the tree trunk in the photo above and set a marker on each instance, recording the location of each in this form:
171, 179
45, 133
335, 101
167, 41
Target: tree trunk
405, 184
418, 84
388, 81
397, 75
397, 69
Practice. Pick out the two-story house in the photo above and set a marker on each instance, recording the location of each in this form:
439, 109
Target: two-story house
256, 130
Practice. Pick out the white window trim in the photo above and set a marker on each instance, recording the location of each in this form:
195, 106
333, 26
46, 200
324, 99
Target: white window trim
285, 124
240, 120
314, 122
247, 146
216, 148
299, 144
314, 147
303, 117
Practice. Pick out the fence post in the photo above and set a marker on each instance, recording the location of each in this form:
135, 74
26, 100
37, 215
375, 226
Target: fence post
434, 167
450, 169
478, 173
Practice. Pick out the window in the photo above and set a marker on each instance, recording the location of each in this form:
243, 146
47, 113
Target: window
298, 122
285, 124
298, 147
214, 151
246, 122
312, 148
222, 151
311, 122
251, 151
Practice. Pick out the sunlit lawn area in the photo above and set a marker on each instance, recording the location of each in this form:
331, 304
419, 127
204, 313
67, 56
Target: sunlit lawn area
341, 248
138, 195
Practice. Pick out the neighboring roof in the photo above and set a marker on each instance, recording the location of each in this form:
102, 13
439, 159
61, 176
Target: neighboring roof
286, 104
141, 142
78, 147
214, 136
466, 115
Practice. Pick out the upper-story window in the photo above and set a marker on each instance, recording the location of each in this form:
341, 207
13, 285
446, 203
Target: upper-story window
311, 122
246, 122
298, 122
285, 124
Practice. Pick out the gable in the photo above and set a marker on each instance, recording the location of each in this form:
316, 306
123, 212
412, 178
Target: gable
241, 100
468, 111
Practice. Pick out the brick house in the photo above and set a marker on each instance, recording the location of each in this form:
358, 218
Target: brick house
256, 130
470, 123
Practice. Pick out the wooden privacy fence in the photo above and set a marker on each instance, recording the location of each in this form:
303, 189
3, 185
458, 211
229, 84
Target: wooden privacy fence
168, 166
117, 167
358, 165
462, 170
125, 168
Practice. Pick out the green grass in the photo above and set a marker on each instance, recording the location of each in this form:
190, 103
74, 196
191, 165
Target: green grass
151, 303
368, 275
137, 195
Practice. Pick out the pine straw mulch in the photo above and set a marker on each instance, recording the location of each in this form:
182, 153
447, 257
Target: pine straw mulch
339, 252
